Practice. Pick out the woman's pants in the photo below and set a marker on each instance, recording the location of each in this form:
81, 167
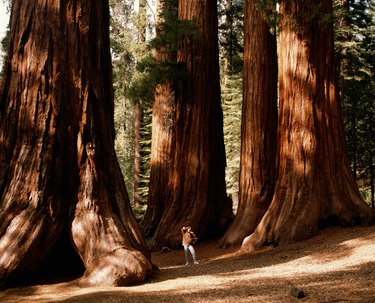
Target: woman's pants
188, 248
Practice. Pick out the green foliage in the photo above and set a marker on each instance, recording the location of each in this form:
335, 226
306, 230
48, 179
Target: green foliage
125, 52
355, 49
124, 143
4, 41
136, 74
139, 212
366, 194
151, 71
232, 105
311, 11
172, 30
145, 156
231, 64
231, 36
271, 15
3, 49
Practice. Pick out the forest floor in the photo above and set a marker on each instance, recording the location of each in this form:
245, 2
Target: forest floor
338, 265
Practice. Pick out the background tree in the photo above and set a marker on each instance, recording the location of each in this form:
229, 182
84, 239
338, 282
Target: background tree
315, 185
231, 17
163, 114
198, 182
232, 97
259, 126
4, 39
58, 169
3, 47
138, 110
124, 57
354, 27
231, 64
131, 26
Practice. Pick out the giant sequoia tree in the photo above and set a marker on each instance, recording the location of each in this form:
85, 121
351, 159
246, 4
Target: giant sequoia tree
314, 184
196, 187
259, 124
58, 169
163, 114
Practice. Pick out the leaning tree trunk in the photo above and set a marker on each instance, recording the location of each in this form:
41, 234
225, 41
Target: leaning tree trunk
58, 169
259, 126
198, 193
314, 186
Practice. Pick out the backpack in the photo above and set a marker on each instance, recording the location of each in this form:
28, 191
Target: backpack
193, 237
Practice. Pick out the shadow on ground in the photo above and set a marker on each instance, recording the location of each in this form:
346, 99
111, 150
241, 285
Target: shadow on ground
335, 266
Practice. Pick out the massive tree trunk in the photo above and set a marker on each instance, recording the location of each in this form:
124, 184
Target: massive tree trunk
58, 169
161, 150
197, 186
163, 119
314, 186
259, 126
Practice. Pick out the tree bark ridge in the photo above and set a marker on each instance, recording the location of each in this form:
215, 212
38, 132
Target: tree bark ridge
59, 171
314, 186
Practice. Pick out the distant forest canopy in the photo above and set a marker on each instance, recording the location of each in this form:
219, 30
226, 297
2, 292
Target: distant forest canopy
135, 74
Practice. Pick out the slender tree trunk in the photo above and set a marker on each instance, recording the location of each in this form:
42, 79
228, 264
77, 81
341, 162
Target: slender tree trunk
228, 60
138, 110
346, 71
259, 126
198, 193
138, 114
314, 186
58, 168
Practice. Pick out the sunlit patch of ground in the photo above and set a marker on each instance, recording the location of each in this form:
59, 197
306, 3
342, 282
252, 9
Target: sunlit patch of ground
338, 265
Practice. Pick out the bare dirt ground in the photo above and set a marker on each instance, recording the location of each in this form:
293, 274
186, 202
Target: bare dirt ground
338, 265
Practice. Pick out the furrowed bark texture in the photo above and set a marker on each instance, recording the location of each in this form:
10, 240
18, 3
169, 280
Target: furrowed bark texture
163, 114
315, 186
58, 168
259, 126
162, 142
198, 183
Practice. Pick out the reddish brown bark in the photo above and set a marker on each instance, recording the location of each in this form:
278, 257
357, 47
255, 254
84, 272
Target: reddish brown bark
161, 151
259, 126
197, 186
163, 120
58, 169
315, 186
